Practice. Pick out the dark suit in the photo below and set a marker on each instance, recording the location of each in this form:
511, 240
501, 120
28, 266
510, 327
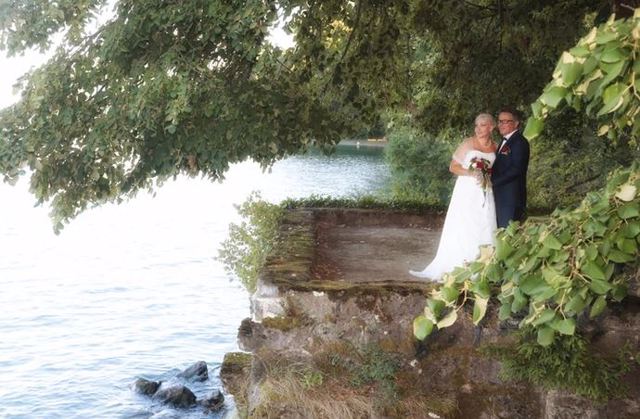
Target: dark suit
509, 179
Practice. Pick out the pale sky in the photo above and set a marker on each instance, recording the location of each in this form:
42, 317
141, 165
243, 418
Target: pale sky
12, 68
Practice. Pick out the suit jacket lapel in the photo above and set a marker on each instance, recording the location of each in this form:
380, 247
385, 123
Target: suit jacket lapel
510, 139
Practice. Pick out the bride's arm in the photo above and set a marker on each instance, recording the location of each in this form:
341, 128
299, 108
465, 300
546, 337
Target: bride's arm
457, 169
458, 158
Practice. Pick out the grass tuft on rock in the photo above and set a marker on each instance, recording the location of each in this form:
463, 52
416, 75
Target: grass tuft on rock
568, 363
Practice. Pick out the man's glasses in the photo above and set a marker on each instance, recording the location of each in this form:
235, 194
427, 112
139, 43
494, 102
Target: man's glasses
505, 121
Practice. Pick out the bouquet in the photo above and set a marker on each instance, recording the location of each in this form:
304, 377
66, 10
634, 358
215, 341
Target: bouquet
483, 167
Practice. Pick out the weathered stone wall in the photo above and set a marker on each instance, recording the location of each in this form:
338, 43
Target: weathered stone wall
303, 305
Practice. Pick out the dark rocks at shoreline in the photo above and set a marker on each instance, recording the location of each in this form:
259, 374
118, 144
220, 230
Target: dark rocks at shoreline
196, 372
214, 402
178, 396
146, 387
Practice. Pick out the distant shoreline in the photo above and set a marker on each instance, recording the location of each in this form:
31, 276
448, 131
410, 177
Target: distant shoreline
371, 142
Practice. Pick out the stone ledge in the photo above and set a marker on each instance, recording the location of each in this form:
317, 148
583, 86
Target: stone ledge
313, 295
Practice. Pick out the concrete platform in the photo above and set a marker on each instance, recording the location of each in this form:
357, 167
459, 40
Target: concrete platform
370, 253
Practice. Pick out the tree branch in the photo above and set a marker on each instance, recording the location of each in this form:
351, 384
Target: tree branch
346, 48
355, 27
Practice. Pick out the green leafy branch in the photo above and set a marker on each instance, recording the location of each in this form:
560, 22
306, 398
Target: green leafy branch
549, 272
600, 76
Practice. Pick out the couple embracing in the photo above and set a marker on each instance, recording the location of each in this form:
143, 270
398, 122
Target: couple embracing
490, 191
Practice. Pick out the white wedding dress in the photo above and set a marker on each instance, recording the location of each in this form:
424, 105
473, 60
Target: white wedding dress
470, 222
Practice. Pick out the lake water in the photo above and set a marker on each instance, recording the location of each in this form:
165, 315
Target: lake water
134, 290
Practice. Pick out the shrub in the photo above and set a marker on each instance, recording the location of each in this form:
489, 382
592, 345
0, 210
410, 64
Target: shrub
249, 242
419, 166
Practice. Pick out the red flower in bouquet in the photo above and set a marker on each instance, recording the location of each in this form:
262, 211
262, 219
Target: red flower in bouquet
483, 166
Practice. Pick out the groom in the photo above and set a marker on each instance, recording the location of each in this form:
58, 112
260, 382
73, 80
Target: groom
509, 176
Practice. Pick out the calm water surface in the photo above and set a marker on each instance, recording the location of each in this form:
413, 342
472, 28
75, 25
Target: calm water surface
134, 290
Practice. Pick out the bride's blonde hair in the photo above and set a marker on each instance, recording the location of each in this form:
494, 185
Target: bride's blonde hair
486, 116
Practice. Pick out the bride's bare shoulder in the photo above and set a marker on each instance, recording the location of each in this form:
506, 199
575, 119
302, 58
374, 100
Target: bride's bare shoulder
466, 143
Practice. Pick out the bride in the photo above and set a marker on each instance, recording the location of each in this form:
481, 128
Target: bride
471, 217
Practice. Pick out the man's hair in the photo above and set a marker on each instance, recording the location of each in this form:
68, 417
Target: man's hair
513, 111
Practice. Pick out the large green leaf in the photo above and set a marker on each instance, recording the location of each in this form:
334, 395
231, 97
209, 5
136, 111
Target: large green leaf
590, 64
570, 72
481, 289
533, 285
448, 320
605, 35
628, 246
552, 242
479, 309
422, 327
604, 247
533, 128
612, 72
576, 304
592, 252
530, 264
612, 98
545, 294
505, 312
629, 210
564, 326
619, 292
580, 51
598, 306
592, 270
546, 336
620, 257
594, 228
613, 55
520, 301
493, 273
503, 248
599, 286
536, 109
436, 306
553, 96
544, 317
449, 294
632, 229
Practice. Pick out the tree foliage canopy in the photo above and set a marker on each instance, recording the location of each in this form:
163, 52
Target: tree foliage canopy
139, 91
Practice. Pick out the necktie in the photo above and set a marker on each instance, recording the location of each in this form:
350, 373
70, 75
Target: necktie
504, 141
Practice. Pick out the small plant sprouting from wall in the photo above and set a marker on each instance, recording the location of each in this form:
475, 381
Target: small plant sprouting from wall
244, 252
249, 242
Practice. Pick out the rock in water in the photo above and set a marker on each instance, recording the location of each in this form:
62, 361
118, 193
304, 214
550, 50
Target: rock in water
197, 372
146, 387
178, 396
214, 401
